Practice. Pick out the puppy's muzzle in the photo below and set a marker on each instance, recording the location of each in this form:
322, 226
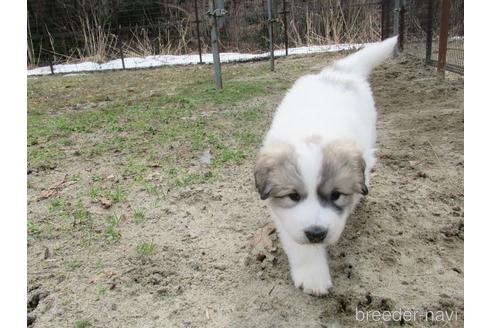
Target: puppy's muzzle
315, 234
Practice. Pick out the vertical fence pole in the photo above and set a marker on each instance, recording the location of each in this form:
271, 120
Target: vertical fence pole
384, 15
396, 24
215, 44
51, 67
120, 47
428, 41
197, 21
270, 35
443, 38
46, 36
401, 28
286, 36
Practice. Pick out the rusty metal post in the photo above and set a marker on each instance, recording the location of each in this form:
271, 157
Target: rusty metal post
212, 12
443, 38
197, 21
270, 35
428, 41
286, 36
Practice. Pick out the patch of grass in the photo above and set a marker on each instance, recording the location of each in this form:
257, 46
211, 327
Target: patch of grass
228, 154
33, 228
94, 192
101, 289
146, 248
82, 323
56, 204
111, 233
74, 263
117, 195
139, 215
95, 177
81, 214
191, 178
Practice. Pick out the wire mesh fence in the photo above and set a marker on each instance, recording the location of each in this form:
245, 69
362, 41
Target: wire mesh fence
119, 32
422, 31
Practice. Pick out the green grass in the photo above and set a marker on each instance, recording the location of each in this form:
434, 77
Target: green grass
146, 248
147, 128
33, 228
82, 323
111, 232
139, 215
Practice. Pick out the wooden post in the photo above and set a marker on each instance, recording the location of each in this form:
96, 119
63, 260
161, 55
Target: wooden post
270, 35
286, 36
215, 44
197, 21
428, 41
443, 38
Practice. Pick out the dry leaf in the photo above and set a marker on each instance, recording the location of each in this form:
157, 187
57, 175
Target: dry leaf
55, 188
264, 240
106, 274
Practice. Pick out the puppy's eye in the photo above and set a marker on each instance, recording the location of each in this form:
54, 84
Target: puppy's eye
294, 196
335, 195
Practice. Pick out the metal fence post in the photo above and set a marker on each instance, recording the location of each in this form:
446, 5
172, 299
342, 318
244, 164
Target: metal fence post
286, 36
443, 38
212, 12
270, 35
384, 14
120, 47
401, 28
428, 41
46, 36
197, 21
396, 24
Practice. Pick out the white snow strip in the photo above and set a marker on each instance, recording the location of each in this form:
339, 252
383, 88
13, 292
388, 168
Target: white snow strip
161, 60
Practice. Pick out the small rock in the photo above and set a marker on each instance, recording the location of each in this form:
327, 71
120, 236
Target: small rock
106, 203
220, 267
46, 254
260, 257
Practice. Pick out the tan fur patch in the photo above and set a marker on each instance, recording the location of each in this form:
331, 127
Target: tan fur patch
276, 172
342, 169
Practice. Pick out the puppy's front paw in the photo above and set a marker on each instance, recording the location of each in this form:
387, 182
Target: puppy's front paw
314, 280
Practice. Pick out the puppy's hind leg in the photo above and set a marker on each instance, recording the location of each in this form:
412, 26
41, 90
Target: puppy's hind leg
308, 266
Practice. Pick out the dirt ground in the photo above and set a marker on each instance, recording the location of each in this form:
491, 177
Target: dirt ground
134, 257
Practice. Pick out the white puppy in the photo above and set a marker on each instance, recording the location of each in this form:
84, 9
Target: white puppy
316, 158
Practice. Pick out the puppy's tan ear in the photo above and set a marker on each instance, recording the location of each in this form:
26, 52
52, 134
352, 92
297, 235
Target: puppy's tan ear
343, 162
273, 160
262, 181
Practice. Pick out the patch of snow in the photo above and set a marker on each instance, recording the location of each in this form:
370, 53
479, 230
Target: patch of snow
163, 60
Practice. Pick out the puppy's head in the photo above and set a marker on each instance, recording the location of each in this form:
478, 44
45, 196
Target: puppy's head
311, 187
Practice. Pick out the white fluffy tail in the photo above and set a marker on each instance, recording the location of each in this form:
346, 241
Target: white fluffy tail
365, 60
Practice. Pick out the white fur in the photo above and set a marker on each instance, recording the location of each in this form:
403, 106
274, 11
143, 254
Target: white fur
334, 104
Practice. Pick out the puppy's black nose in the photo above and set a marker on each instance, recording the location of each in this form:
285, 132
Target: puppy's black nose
315, 234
